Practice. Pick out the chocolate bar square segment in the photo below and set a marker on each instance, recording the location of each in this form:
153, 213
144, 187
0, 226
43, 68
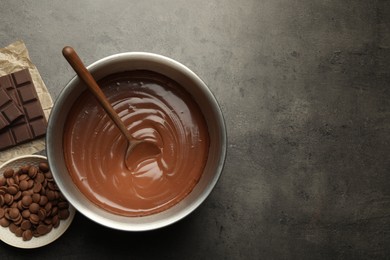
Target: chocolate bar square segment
12, 112
38, 126
21, 133
8, 87
6, 139
22, 76
33, 110
3, 122
9, 111
27, 93
5, 82
4, 98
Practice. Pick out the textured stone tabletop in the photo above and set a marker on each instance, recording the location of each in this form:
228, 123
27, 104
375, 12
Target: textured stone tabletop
305, 90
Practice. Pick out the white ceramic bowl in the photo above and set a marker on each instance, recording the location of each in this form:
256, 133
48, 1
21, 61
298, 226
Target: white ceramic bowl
193, 85
7, 236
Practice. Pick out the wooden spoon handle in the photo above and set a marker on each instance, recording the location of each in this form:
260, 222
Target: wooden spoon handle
78, 66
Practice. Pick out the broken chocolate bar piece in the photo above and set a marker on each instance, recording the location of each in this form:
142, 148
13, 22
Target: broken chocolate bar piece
18, 91
9, 111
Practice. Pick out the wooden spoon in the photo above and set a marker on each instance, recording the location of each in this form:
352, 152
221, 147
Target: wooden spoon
137, 150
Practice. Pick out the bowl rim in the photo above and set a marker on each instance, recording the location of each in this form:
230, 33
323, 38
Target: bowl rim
175, 65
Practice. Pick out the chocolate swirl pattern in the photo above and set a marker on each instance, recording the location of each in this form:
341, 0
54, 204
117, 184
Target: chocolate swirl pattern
154, 108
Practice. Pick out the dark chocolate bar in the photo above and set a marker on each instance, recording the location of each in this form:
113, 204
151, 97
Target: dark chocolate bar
32, 123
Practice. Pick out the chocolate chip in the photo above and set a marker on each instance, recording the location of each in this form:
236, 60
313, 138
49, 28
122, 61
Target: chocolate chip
18, 195
28, 192
37, 187
25, 224
20, 205
8, 199
8, 173
23, 177
43, 229
32, 172
25, 169
43, 200
2, 212
30, 184
48, 221
48, 213
43, 191
49, 227
51, 186
12, 190
44, 167
3, 181
34, 219
40, 177
3, 189
4, 222
10, 181
26, 201
34, 207
19, 232
63, 214
55, 221
16, 178
6, 213
26, 213
49, 176
36, 197
54, 211
42, 214
12, 227
18, 221
51, 195
23, 185
14, 213
27, 235
63, 205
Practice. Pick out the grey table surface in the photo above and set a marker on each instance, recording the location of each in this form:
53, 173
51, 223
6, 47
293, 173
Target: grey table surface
304, 88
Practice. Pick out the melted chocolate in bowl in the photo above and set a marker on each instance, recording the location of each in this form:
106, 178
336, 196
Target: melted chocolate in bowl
154, 108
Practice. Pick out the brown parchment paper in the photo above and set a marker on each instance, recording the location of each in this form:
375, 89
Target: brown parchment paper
13, 58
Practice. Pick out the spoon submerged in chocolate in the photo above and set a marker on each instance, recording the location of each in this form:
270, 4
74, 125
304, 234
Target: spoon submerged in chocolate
137, 150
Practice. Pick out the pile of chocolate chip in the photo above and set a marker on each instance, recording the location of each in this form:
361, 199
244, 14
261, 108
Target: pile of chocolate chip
31, 204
